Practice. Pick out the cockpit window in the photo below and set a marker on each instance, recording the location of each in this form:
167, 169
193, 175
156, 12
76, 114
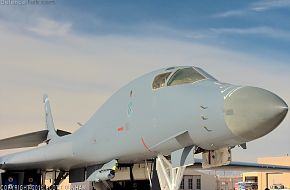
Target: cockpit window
204, 73
160, 80
184, 76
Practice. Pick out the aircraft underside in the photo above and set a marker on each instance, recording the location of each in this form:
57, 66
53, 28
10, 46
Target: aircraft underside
165, 172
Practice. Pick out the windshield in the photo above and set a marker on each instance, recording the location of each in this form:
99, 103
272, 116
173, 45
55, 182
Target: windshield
160, 80
204, 73
184, 76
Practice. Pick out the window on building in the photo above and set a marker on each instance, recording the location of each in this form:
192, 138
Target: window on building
190, 183
184, 76
160, 80
182, 184
198, 185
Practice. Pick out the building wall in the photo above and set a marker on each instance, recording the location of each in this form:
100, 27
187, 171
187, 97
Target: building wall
191, 182
267, 179
208, 182
227, 182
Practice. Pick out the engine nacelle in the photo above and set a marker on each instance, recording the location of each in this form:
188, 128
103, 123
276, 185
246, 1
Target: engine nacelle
102, 175
107, 172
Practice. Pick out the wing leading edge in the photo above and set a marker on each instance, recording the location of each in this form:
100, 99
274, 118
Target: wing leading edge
26, 140
245, 166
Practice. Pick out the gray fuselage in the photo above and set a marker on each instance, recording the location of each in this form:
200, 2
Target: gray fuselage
138, 122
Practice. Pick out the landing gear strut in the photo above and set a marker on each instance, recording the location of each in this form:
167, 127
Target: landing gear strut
57, 180
169, 178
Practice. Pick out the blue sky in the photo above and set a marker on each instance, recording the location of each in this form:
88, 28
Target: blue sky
254, 27
81, 52
231, 24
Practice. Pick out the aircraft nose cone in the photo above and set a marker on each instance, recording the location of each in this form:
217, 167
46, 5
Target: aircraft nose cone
252, 112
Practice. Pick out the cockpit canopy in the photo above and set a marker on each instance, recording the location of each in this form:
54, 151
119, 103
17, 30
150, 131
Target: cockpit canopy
160, 80
179, 76
183, 76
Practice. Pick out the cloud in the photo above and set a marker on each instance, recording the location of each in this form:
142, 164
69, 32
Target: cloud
265, 31
270, 4
47, 27
256, 7
232, 13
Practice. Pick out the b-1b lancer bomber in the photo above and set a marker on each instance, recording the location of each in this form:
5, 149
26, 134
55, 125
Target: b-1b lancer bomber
172, 113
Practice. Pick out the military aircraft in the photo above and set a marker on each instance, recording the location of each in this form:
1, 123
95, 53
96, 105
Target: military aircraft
175, 112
